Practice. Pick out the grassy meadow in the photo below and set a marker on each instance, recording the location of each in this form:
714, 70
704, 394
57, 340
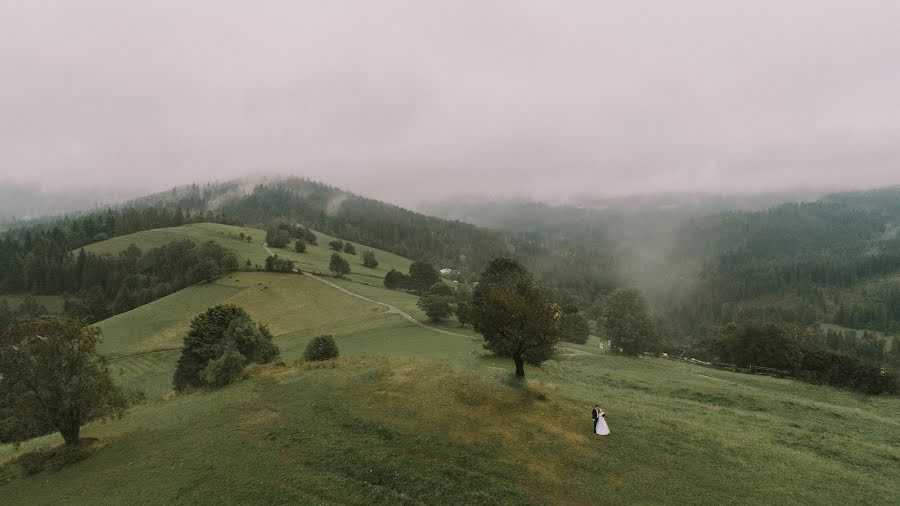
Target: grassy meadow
409, 415
409, 431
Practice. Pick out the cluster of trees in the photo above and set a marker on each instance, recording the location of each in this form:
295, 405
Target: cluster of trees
276, 264
866, 346
218, 345
794, 349
29, 306
339, 245
280, 233
879, 310
34, 259
98, 286
422, 276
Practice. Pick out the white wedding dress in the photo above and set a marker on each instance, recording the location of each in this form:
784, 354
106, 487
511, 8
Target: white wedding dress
602, 428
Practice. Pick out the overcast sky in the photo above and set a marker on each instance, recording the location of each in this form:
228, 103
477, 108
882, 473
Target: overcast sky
409, 100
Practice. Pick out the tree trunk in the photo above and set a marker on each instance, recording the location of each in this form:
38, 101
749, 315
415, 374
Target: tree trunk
70, 431
520, 367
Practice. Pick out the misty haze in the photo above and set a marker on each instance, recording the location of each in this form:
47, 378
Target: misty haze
397, 252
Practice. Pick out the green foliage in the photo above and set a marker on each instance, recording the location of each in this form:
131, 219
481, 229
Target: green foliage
349, 249
369, 259
321, 348
53, 377
277, 237
300, 246
221, 329
395, 280
436, 307
440, 288
276, 264
309, 236
339, 265
463, 313
575, 328
759, 344
837, 369
225, 369
514, 315
336, 245
787, 348
627, 322
422, 276
31, 307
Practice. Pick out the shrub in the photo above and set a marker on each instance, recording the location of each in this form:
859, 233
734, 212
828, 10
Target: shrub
349, 249
321, 348
300, 246
337, 245
369, 259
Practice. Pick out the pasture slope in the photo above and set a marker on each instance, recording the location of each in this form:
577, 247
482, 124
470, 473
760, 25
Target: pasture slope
413, 416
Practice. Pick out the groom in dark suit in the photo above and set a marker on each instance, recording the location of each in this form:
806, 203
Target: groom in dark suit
595, 414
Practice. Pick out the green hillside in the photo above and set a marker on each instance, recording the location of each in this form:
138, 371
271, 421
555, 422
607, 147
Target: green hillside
406, 431
296, 308
315, 259
418, 413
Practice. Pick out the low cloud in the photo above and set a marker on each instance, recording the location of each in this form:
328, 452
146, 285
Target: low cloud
424, 100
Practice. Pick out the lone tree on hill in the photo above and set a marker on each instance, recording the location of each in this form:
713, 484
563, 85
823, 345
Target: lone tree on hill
369, 259
627, 321
349, 248
53, 378
300, 246
218, 344
339, 265
337, 245
514, 315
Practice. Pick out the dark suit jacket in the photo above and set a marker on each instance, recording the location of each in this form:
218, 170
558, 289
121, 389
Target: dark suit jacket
595, 414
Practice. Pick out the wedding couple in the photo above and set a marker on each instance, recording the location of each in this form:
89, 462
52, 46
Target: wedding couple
599, 417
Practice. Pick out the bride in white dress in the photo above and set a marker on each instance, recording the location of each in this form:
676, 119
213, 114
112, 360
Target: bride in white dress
602, 428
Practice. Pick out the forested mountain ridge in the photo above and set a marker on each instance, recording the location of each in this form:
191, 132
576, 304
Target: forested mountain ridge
826, 260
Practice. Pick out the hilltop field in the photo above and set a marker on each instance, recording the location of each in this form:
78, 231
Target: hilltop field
417, 413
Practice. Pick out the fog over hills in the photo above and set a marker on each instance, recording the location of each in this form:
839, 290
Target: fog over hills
429, 100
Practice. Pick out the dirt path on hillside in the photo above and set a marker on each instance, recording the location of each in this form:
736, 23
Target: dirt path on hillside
390, 308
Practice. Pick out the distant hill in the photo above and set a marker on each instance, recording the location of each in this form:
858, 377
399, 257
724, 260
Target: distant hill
795, 261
